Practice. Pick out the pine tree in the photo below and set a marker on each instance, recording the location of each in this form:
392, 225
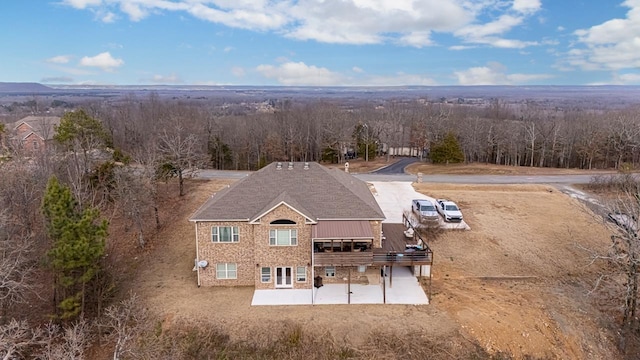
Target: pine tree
447, 151
78, 245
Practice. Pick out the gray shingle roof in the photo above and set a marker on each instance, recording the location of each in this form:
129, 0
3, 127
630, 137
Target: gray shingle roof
42, 126
317, 192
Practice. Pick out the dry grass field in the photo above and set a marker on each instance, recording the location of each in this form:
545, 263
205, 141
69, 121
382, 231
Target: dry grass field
489, 169
517, 283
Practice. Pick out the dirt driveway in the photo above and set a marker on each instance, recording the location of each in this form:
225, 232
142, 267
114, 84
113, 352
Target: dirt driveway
517, 282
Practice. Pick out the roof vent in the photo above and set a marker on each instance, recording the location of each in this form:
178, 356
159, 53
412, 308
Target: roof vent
290, 165
278, 166
306, 166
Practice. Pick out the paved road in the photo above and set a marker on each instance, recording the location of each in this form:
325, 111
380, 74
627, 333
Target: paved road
397, 167
454, 179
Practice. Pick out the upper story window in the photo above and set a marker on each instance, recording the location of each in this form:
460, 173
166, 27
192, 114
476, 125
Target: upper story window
224, 234
283, 237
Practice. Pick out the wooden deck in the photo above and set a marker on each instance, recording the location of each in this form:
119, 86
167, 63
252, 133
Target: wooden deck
397, 249
394, 238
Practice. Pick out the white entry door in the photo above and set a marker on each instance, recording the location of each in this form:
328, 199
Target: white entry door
284, 277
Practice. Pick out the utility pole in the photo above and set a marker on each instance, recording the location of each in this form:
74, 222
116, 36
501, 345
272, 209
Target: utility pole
366, 154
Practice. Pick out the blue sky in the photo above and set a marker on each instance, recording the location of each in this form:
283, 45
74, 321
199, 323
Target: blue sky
320, 42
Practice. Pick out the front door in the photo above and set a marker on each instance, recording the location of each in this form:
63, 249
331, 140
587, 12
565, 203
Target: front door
284, 277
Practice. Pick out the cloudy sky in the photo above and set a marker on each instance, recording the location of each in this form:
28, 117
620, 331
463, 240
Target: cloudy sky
320, 42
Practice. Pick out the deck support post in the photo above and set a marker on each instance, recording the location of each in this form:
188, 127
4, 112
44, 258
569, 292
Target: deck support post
391, 276
349, 287
384, 285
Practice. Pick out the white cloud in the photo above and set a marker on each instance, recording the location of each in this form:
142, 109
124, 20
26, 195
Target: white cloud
462, 47
624, 79
57, 79
612, 45
60, 59
503, 24
107, 17
492, 32
103, 61
299, 73
526, 6
237, 71
416, 39
163, 79
403, 22
82, 4
495, 74
228, 49
406, 22
399, 79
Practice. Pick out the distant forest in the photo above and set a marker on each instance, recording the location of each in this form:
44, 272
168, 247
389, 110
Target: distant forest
246, 135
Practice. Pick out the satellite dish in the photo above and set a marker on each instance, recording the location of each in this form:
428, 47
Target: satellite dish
202, 264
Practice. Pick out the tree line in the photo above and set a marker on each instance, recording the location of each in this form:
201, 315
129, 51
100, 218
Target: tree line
516, 134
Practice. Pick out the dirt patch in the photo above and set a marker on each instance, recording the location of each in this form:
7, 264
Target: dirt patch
516, 283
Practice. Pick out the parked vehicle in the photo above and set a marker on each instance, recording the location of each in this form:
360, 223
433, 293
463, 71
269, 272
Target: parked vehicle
425, 210
449, 210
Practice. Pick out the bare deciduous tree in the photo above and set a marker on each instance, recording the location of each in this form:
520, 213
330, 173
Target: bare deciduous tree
16, 265
126, 321
623, 254
17, 339
179, 150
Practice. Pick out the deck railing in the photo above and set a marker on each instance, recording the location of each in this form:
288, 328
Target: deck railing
418, 257
346, 258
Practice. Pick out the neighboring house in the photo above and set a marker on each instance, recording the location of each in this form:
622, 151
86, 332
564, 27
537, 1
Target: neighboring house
33, 133
287, 224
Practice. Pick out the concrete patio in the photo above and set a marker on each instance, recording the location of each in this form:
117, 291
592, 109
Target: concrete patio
405, 290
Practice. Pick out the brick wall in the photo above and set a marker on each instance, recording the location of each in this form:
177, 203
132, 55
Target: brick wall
240, 253
282, 256
370, 276
252, 251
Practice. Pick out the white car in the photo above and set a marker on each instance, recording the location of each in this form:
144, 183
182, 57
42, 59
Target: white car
449, 210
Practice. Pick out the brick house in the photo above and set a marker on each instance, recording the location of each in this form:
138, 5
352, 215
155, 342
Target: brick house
33, 133
286, 225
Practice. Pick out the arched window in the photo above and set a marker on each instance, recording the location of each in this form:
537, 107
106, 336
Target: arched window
283, 222
283, 235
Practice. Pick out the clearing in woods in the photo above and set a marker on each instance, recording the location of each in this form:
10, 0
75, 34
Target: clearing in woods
517, 282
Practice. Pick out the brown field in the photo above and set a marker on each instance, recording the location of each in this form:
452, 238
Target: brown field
489, 169
516, 283
361, 166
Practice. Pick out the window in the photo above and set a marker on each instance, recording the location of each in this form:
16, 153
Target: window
330, 271
283, 222
226, 271
265, 275
224, 234
301, 274
283, 237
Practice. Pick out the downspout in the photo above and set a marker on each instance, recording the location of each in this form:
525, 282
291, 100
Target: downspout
313, 295
197, 255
